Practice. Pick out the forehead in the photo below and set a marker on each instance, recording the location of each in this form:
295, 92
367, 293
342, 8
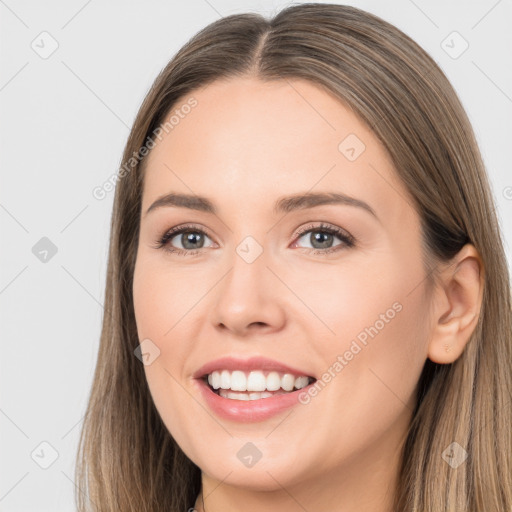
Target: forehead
246, 140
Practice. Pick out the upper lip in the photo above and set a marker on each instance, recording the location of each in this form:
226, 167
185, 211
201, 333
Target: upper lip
253, 363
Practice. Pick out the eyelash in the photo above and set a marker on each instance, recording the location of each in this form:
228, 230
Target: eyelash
347, 240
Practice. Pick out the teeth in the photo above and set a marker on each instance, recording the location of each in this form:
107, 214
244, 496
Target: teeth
273, 381
254, 381
225, 379
239, 381
288, 382
244, 396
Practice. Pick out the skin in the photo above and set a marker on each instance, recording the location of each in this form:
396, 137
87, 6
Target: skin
243, 146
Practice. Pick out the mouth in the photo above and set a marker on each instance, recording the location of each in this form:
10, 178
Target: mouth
250, 390
254, 385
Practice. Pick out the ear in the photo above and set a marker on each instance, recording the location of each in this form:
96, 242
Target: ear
458, 300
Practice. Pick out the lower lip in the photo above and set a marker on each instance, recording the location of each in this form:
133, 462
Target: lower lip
246, 411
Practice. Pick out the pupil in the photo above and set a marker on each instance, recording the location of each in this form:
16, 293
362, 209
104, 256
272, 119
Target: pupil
190, 238
318, 238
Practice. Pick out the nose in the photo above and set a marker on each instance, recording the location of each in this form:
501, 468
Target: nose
247, 299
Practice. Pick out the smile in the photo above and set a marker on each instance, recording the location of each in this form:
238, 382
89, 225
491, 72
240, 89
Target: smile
254, 385
250, 390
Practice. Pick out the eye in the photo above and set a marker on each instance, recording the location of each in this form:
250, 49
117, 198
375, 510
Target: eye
322, 238
189, 238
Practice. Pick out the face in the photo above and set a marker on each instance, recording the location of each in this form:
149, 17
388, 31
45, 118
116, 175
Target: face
318, 303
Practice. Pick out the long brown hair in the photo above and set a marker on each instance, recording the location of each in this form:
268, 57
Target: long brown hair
127, 460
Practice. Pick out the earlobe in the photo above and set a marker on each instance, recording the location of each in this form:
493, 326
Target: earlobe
458, 297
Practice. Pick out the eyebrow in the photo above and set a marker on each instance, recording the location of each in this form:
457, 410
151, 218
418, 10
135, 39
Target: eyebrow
282, 205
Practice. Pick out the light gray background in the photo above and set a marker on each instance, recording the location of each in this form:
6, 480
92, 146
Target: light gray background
64, 123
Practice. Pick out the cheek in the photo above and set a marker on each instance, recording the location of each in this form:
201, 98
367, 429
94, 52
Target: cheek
374, 333
346, 297
160, 308
160, 299
160, 313
379, 349
372, 367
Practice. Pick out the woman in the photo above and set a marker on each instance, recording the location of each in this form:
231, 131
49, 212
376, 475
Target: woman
240, 369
